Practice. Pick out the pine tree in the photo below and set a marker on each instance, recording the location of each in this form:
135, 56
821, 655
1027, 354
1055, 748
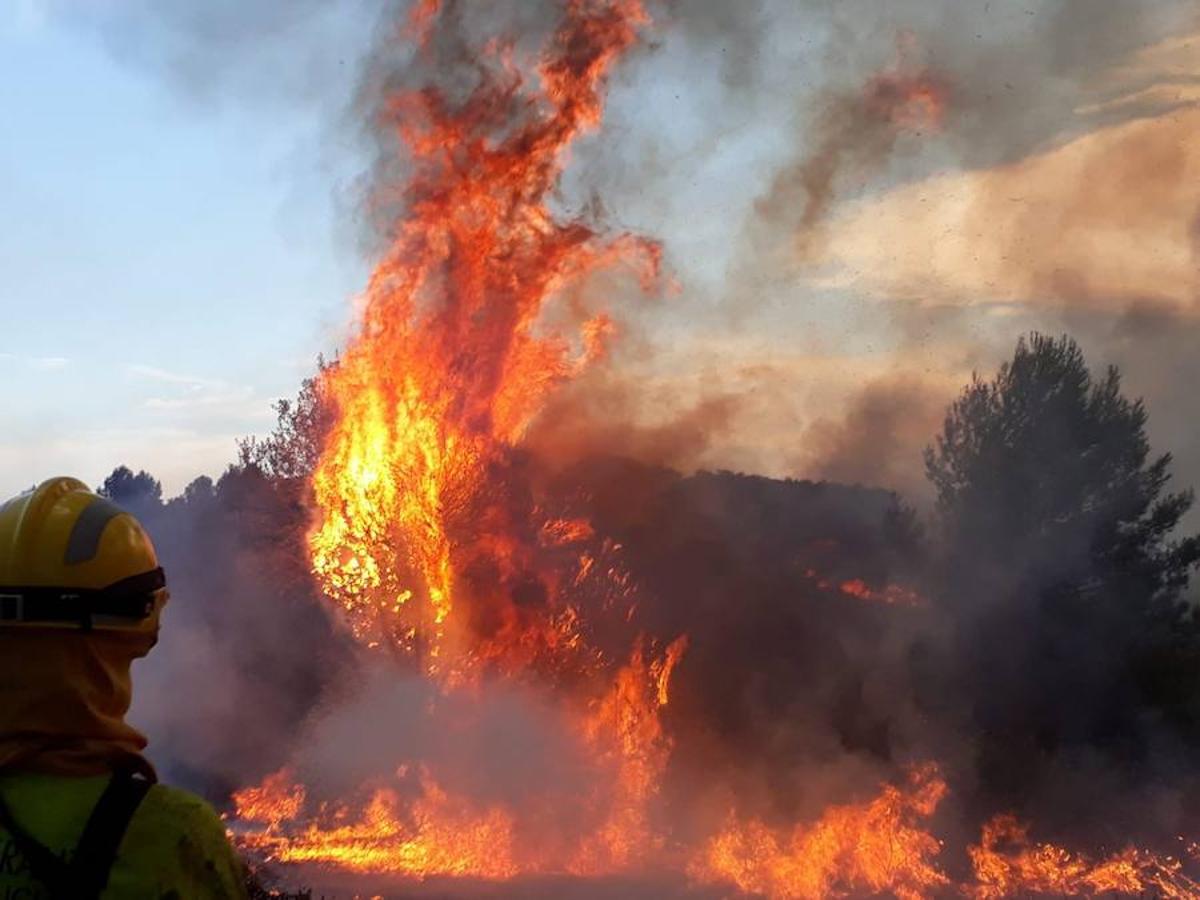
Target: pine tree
1063, 571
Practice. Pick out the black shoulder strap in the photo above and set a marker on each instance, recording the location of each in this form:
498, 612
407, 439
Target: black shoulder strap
97, 848
86, 876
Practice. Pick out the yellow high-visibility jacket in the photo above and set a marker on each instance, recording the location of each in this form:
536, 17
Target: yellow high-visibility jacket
175, 846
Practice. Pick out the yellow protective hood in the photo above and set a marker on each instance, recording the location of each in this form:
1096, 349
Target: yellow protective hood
65, 683
63, 699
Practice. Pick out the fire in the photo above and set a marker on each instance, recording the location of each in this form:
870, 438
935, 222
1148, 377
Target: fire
890, 594
641, 751
1006, 864
456, 351
474, 316
909, 95
885, 846
435, 834
874, 847
277, 800
439, 547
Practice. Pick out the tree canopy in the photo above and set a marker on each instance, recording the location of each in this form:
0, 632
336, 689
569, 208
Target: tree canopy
293, 447
1048, 469
1063, 570
137, 492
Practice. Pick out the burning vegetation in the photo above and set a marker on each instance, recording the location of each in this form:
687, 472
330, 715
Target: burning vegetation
504, 671
455, 355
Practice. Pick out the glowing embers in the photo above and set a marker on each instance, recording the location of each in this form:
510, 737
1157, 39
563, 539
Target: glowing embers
890, 594
910, 102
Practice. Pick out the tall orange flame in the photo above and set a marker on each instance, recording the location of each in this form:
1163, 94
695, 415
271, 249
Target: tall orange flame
454, 354
456, 351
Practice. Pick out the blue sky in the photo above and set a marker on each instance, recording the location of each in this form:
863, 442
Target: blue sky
180, 237
170, 267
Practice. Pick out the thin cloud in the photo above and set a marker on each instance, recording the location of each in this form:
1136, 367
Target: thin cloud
156, 374
40, 363
49, 363
240, 401
211, 396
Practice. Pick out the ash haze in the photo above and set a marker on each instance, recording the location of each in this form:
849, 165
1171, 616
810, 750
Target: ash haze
183, 181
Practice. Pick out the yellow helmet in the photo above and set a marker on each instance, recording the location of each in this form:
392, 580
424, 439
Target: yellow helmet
70, 558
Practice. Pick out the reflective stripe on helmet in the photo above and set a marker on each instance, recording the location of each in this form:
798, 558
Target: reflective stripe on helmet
84, 540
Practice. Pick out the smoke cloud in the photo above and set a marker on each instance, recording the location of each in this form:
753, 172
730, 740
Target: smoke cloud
263, 53
244, 630
883, 431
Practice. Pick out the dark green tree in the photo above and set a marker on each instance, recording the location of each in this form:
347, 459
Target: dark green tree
1046, 470
200, 491
1063, 571
141, 493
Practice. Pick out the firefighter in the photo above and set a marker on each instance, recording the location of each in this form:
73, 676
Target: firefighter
81, 814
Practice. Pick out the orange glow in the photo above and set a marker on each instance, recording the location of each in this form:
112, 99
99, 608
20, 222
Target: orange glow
438, 833
277, 800
456, 351
556, 532
879, 846
891, 594
625, 728
435, 834
1006, 864
911, 102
